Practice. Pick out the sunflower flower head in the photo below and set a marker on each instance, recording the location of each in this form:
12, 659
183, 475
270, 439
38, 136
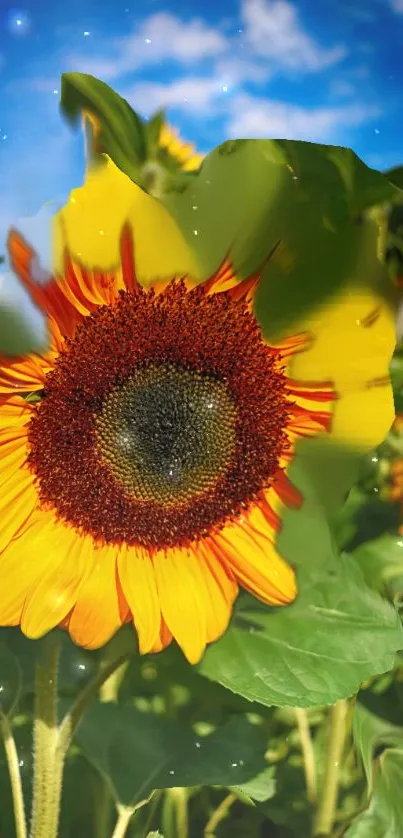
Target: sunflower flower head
145, 475
185, 153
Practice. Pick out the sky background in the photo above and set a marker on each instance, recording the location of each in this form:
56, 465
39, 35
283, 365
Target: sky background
328, 71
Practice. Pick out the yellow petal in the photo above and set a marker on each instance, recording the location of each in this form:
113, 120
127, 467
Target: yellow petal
354, 341
58, 552
137, 577
91, 223
181, 593
16, 507
99, 611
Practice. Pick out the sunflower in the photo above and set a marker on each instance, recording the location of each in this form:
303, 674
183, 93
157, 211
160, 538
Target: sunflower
144, 457
183, 152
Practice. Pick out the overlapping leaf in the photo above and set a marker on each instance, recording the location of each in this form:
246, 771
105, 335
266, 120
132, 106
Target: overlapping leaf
320, 649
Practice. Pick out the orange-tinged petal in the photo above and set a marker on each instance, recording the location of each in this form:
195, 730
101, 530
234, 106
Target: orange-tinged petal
49, 296
164, 638
247, 548
183, 600
23, 374
221, 590
98, 612
137, 577
62, 559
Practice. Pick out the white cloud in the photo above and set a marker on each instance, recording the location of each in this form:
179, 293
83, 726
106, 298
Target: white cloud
273, 39
397, 6
253, 117
232, 70
192, 94
273, 30
161, 36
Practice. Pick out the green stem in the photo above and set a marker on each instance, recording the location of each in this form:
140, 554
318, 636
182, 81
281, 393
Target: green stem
305, 739
125, 814
48, 761
182, 818
218, 815
328, 798
72, 719
15, 778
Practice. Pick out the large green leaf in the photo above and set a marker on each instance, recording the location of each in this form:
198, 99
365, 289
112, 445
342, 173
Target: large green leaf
381, 562
138, 752
384, 816
321, 648
307, 535
396, 176
121, 132
369, 731
251, 195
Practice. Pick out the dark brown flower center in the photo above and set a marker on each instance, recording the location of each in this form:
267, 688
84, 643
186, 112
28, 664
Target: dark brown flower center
163, 419
168, 434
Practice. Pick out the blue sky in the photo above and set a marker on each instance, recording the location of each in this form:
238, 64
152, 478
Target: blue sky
328, 71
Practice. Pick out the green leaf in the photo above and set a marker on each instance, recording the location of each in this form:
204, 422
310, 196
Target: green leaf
384, 816
121, 132
250, 195
260, 788
16, 336
153, 130
139, 752
381, 562
289, 806
321, 648
369, 731
77, 666
395, 176
307, 535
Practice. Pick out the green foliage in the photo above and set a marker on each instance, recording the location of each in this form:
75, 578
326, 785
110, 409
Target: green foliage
313, 652
219, 749
16, 335
303, 199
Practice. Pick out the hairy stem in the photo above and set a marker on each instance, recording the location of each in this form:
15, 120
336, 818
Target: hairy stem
326, 811
48, 761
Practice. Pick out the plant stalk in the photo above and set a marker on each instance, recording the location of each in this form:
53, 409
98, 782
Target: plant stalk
125, 814
219, 814
15, 778
326, 811
305, 739
48, 760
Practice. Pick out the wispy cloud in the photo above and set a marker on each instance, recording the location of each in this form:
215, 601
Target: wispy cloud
254, 117
397, 6
191, 93
162, 36
274, 31
273, 40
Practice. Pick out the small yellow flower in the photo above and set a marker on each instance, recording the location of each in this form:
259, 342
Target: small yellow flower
185, 153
